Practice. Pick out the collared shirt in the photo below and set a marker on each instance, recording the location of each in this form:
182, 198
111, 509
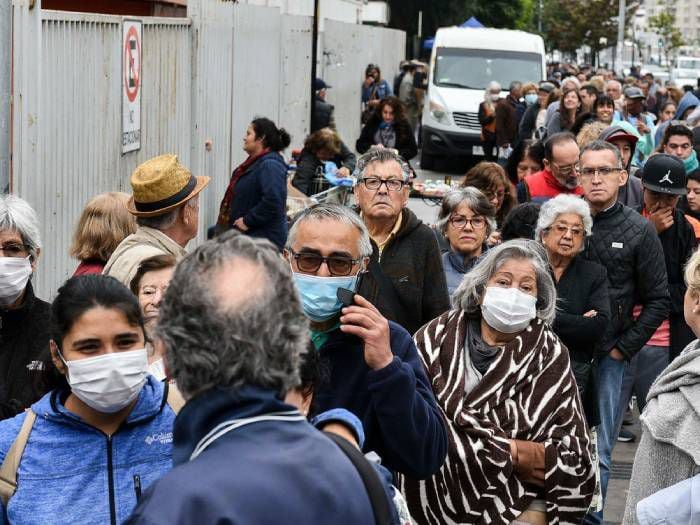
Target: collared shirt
392, 234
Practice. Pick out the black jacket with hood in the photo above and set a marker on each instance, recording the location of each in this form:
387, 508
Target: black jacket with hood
413, 265
627, 245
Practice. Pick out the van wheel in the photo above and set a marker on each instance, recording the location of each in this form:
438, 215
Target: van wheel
427, 162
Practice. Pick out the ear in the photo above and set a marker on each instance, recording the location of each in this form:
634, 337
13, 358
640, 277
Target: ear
545, 163
55, 359
34, 259
623, 177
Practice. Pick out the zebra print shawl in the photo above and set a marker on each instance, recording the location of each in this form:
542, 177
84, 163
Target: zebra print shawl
528, 393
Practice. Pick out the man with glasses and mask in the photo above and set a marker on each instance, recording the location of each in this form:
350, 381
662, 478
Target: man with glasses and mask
560, 173
405, 279
24, 318
629, 248
374, 367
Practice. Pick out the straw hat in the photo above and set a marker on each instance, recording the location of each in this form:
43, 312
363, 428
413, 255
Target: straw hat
161, 184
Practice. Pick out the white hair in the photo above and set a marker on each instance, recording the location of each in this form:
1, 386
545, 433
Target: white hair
493, 86
17, 215
560, 204
573, 80
332, 212
470, 293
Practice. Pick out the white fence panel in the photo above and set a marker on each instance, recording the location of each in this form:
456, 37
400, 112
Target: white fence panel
256, 70
295, 88
79, 122
343, 64
212, 99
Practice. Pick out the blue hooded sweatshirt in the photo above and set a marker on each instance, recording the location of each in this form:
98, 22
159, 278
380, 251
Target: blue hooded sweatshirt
73, 473
689, 100
261, 471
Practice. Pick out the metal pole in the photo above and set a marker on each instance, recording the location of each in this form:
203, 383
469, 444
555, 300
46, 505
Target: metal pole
314, 55
5, 90
620, 34
420, 24
539, 17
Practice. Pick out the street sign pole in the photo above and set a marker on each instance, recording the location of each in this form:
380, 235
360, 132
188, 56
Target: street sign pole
620, 35
314, 56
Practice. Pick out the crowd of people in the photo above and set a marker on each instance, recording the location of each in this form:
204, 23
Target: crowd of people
353, 364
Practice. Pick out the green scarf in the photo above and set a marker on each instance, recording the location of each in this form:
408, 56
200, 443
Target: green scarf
691, 163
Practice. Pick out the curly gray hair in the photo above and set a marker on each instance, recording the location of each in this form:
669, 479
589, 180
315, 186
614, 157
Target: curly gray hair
380, 155
331, 212
218, 339
475, 200
17, 215
560, 204
470, 293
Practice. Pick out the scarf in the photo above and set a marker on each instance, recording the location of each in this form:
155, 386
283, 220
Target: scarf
480, 353
528, 393
691, 163
224, 220
386, 135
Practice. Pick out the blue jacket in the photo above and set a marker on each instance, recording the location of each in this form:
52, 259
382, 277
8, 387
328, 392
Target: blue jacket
689, 100
267, 472
396, 405
73, 473
260, 197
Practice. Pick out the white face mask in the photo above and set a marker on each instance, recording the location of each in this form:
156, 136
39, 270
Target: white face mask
157, 369
108, 382
14, 274
508, 310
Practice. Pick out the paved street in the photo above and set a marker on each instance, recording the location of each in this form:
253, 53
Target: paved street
623, 455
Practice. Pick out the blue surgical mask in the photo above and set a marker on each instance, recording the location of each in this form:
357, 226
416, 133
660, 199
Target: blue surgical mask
531, 98
319, 294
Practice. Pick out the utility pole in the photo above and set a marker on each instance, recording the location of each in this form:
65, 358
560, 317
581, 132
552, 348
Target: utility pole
5, 90
314, 56
620, 35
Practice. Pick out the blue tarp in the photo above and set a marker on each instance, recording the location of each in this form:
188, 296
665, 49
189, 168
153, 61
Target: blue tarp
471, 23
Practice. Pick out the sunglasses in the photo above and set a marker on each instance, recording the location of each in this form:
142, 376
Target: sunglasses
338, 265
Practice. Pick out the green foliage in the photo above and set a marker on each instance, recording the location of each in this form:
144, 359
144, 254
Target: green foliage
664, 25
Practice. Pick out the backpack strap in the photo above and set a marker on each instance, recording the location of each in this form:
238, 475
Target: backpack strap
174, 398
370, 478
8, 470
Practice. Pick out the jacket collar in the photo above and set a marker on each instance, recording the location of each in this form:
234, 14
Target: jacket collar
148, 405
212, 407
12, 316
459, 263
612, 210
158, 238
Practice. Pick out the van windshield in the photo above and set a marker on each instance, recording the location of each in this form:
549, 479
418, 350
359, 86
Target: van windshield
475, 68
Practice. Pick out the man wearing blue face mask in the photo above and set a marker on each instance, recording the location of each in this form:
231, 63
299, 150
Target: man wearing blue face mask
375, 371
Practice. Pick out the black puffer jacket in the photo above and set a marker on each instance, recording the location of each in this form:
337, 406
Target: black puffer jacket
308, 178
629, 248
413, 264
678, 243
24, 343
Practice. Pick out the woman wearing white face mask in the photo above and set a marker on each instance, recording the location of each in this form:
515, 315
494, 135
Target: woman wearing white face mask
24, 318
103, 434
149, 284
503, 381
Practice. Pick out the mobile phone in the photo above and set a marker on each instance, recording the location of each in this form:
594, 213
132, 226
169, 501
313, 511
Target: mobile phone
347, 297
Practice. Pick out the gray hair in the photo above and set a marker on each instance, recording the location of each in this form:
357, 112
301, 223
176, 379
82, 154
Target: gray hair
493, 86
380, 155
601, 145
471, 291
477, 202
573, 80
17, 215
332, 212
212, 342
560, 204
165, 221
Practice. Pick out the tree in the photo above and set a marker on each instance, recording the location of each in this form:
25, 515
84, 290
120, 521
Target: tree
670, 37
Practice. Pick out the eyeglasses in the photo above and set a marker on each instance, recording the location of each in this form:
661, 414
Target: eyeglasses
499, 194
561, 229
337, 264
589, 173
460, 222
14, 249
374, 183
567, 170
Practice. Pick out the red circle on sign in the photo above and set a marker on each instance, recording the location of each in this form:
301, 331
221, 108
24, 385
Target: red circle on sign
130, 67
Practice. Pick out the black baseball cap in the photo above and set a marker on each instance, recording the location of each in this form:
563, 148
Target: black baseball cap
664, 173
319, 84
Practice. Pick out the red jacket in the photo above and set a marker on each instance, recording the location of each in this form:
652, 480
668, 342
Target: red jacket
542, 186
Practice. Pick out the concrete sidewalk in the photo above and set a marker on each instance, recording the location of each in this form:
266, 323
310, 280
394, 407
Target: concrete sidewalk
623, 457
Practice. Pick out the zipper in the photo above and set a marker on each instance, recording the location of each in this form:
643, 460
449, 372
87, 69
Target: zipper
110, 481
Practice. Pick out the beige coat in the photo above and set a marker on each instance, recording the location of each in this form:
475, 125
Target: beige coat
144, 243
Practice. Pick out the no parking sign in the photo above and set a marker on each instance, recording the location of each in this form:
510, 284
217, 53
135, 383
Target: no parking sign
131, 85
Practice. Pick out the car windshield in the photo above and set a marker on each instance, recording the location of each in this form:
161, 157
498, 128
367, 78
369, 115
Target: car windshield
688, 63
475, 68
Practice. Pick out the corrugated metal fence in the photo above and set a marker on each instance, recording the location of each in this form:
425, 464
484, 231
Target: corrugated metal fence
203, 79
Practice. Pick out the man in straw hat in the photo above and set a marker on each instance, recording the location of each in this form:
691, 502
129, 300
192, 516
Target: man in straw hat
165, 202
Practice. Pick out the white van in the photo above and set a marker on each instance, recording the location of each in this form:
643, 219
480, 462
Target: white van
462, 63
686, 71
